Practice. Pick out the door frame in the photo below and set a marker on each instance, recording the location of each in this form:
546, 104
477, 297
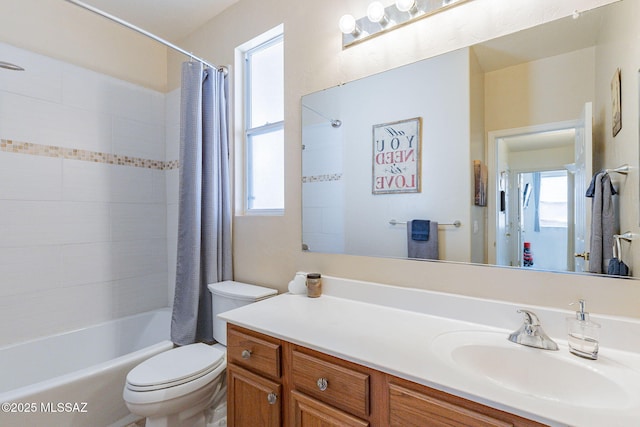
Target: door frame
493, 201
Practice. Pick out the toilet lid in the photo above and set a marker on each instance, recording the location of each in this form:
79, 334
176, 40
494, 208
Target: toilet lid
173, 367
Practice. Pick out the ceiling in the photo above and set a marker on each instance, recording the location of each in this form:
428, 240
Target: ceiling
171, 20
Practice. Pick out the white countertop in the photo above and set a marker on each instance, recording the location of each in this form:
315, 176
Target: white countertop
394, 332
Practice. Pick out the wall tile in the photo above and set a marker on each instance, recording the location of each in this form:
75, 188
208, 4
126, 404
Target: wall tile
19, 182
49, 312
172, 125
87, 263
132, 102
20, 117
86, 181
41, 223
135, 295
29, 223
29, 269
83, 211
85, 222
172, 247
134, 221
42, 78
132, 185
139, 258
173, 186
138, 139
86, 90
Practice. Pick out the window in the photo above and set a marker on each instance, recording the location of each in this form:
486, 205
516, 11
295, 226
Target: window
553, 199
264, 126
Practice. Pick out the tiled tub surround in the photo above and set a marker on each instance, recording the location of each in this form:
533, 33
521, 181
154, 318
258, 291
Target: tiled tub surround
395, 330
83, 199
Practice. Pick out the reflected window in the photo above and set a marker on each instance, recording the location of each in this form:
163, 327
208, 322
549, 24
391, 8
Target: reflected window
553, 207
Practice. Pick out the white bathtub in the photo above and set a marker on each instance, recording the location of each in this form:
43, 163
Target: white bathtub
77, 378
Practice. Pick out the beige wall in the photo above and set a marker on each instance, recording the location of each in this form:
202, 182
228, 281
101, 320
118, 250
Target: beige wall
64, 31
518, 96
267, 249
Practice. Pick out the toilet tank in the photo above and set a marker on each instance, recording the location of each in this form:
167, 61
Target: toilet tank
228, 295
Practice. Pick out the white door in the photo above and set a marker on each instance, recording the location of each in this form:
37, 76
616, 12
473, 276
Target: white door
583, 173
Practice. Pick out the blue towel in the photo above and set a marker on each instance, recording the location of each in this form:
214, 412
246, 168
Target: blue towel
420, 229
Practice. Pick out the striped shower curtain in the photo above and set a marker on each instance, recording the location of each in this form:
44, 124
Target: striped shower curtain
204, 221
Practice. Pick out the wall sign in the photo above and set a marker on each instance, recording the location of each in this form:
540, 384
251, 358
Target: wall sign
397, 157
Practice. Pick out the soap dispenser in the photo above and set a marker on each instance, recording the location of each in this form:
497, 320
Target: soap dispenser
583, 334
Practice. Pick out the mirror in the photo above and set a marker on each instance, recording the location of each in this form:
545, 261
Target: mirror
497, 158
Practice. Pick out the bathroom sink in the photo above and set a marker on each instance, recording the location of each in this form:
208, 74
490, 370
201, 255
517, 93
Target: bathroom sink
552, 375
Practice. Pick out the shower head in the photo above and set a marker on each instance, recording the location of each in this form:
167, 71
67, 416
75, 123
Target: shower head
10, 66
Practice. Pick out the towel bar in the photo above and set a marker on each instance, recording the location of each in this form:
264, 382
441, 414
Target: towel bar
628, 236
624, 169
455, 223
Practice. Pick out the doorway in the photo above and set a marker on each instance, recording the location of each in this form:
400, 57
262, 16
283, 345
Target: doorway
543, 217
550, 213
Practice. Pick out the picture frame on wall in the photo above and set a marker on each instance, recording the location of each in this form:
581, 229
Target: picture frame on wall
397, 157
616, 106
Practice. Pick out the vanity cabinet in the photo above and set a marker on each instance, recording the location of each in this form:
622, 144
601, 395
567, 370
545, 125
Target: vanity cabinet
254, 380
316, 389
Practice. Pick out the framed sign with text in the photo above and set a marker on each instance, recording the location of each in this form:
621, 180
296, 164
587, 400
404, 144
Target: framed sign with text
396, 157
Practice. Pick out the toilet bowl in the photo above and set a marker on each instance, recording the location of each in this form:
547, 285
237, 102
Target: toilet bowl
179, 387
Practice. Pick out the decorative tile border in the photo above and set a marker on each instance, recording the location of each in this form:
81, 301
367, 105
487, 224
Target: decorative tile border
10, 146
322, 178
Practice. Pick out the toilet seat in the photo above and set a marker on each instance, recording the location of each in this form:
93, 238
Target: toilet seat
174, 367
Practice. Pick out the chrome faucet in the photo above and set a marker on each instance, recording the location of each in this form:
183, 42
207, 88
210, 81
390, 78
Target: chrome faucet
531, 333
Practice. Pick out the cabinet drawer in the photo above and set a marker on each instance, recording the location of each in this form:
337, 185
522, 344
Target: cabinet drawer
254, 353
336, 385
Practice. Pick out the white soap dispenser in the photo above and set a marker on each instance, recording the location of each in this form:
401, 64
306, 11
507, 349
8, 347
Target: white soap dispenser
583, 334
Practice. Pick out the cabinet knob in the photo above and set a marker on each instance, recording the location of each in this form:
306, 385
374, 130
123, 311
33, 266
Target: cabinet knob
246, 354
322, 384
272, 398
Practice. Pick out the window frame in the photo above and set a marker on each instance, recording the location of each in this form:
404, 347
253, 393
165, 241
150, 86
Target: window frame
249, 131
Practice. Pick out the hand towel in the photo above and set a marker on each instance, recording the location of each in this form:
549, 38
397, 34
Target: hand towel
617, 267
420, 229
423, 249
602, 222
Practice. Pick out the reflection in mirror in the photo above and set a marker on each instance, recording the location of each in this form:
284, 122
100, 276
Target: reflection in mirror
519, 106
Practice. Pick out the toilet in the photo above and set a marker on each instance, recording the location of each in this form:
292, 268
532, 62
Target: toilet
179, 387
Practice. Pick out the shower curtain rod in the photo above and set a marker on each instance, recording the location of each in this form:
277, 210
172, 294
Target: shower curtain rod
146, 33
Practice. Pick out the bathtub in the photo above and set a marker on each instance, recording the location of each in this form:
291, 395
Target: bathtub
76, 378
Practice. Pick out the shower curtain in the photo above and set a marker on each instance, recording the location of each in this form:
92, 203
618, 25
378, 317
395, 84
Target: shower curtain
204, 221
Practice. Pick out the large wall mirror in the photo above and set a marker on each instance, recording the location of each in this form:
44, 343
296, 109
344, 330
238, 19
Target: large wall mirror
493, 142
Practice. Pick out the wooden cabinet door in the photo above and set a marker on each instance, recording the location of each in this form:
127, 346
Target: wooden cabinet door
308, 412
410, 408
253, 400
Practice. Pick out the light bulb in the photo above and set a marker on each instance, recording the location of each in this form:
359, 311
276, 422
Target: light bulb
405, 5
348, 24
375, 12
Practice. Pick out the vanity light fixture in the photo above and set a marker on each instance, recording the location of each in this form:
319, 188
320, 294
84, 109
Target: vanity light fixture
380, 19
409, 6
377, 14
349, 26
